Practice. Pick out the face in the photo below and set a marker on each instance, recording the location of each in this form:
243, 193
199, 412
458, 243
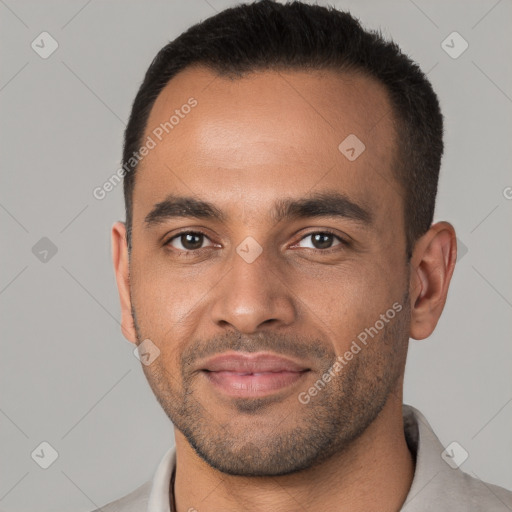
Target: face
263, 256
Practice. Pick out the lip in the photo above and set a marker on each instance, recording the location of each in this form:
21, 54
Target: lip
259, 362
252, 375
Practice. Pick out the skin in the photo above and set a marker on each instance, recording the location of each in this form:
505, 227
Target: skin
248, 143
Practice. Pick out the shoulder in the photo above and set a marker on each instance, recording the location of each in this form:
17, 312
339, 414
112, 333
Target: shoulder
136, 501
492, 496
477, 494
461, 491
153, 494
440, 486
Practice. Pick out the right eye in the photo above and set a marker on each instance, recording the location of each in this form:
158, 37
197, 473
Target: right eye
188, 241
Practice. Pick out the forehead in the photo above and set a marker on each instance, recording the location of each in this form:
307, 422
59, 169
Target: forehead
268, 133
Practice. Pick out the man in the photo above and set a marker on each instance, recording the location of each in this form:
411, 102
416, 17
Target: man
281, 167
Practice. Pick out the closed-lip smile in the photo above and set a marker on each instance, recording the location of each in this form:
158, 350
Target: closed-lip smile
252, 375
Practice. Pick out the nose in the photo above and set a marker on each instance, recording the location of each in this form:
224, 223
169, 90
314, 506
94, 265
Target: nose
253, 295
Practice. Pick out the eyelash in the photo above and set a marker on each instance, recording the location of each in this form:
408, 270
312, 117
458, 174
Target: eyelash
192, 252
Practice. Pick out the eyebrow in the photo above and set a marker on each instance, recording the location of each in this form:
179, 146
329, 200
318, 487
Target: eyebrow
320, 204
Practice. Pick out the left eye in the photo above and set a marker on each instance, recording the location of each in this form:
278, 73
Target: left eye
322, 240
189, 241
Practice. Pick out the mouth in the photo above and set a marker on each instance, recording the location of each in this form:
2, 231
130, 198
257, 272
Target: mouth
252, 375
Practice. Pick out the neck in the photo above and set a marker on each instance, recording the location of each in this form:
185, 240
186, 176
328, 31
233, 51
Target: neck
374, 473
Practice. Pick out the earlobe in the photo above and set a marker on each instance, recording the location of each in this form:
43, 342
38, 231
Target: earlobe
432, 267
121, 268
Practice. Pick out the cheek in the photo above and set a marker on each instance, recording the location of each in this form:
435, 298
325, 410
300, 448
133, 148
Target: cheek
344, 301
163, 299
163, 312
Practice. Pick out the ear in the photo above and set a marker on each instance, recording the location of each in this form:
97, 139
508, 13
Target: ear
432, 264
121, 268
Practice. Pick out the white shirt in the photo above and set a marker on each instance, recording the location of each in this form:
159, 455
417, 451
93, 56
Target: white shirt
436, 486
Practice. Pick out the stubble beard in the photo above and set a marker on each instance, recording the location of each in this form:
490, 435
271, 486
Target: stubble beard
298, 436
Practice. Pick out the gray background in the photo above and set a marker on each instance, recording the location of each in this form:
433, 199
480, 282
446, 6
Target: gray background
68, 377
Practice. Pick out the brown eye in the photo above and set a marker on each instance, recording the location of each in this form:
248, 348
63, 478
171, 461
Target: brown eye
188, 241
321, 240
